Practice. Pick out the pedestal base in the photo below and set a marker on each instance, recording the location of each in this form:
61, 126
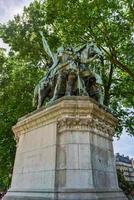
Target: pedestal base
74, 195
65, 152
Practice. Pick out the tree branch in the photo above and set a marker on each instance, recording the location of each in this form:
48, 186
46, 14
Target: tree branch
122, 67
112, 55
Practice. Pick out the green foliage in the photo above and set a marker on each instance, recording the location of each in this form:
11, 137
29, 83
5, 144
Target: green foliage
126, 186
17, 80
22, 33
109, 24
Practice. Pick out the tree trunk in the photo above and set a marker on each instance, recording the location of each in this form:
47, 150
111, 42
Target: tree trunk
107, 86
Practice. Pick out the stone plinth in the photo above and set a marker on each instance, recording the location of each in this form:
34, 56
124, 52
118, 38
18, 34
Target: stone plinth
65, 152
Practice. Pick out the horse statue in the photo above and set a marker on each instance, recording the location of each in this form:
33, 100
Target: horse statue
60, 75
70, 74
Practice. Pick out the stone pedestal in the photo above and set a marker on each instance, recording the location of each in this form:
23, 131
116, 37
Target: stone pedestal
65, 152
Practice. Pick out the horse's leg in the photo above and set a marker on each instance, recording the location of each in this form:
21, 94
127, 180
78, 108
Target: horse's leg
39, 99
70, 84
55, 93
45, 93
60, 85
81, 87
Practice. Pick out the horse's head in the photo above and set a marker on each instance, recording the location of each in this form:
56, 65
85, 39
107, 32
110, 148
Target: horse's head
93, 50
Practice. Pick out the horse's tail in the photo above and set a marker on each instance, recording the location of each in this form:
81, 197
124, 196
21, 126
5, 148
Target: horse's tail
35, 97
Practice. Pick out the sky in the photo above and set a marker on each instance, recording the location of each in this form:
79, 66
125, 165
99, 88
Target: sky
125, 145
9, 8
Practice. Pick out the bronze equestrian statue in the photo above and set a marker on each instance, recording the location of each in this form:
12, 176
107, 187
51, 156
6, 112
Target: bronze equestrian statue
70, 74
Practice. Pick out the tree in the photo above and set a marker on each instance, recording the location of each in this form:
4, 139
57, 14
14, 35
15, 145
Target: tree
17, 80
126, 186
101, 21
109, 24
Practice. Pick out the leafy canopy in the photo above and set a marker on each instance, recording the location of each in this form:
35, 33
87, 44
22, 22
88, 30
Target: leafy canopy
17, 80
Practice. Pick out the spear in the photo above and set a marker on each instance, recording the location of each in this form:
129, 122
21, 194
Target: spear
46, 46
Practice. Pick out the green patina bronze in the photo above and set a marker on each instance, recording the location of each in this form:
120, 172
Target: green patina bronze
70, 74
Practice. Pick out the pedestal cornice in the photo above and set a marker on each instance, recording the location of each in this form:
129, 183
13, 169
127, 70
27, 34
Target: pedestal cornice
73, 112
